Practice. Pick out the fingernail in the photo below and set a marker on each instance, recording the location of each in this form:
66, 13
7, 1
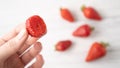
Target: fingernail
37, 46
21, 34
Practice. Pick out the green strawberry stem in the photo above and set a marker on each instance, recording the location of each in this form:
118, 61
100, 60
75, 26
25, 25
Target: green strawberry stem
92, 28
83, 7
105, 44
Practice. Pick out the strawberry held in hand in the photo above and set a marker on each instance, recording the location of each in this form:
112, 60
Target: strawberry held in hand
63, 45
91, 13
83, 31
97, 50
66, 14
35, 26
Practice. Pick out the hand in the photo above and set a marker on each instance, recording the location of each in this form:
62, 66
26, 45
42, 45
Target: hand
13, 45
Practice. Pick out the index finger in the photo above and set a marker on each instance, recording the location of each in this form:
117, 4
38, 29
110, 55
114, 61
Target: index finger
13, 32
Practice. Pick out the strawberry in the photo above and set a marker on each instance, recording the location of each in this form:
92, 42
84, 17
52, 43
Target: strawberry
83, 31
91, 13
63, 45
97, 50
36, 26
66, 14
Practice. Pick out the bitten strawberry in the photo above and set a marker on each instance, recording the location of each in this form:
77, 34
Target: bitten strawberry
63, 45
36, 26
91, 13
66, 14
96, 51
83, 31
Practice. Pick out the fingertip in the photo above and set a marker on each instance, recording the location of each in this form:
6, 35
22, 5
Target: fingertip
39, 62
38, 46
22, 35
31, 40
19, 27
40, 59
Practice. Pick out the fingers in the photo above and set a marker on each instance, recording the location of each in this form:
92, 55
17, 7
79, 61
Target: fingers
14, 62
7, 37
12, 33
28, 43
28, 56
13, 45
39, 62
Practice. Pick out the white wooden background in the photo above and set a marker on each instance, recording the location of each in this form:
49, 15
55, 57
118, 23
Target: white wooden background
13, 12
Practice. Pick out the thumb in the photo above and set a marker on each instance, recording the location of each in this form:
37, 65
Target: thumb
13, 45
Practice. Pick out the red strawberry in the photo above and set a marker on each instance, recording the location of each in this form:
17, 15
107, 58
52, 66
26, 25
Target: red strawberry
91, 13
97, 50
36, 26
63, 45
83, 31
66, 14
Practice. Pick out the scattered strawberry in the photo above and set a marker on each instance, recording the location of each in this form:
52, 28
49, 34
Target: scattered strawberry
66, 14
97, 50
91, 13
63, 45
83, 31
36, 26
